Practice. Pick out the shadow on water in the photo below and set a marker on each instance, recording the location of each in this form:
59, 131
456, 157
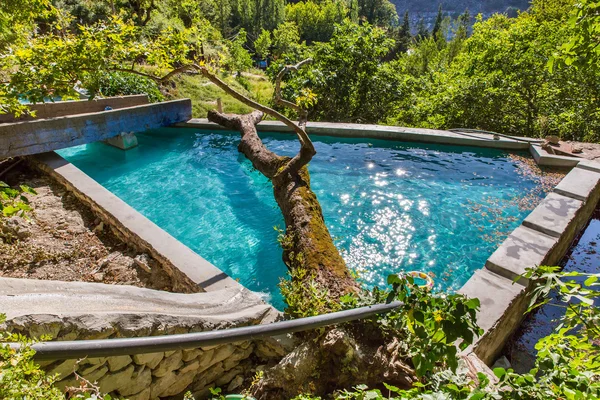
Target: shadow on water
583, 256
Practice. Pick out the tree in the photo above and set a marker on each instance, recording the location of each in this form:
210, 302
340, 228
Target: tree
378, 12
582, 48
285, 39
346, 75
422, 31
316, 21
262, 44
438, 22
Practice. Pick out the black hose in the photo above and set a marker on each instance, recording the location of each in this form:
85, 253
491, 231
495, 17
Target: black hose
466, 130
65, 350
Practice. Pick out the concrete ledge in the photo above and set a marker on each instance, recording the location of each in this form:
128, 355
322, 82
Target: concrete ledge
62, 108
502, 306
543, 239
379, 132
524, 248
34, 137
553, 215
133, 226
25, 297
589, 165
579, 184
543, 158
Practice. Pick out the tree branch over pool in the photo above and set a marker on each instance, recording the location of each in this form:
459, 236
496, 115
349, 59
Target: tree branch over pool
309, 251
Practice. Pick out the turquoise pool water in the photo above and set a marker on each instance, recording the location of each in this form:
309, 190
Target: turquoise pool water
391, 206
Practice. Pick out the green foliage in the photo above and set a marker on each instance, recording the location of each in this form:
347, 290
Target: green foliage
14, 201
316, 20
123, 83
567, 364
346, 75
262, 44
435, 325
286, 39
498, 80
378, 12
20, 377
581, 49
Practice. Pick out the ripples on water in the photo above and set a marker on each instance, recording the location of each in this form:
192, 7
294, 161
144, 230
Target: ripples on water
390, 206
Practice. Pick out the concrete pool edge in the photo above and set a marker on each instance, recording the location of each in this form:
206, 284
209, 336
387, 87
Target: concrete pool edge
543, 238
133, 226
383, 132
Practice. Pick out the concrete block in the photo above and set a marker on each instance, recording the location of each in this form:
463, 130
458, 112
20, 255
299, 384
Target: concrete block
124, 141
589, 165
553, 215
542, 157
579, 184
502, 306
523, 248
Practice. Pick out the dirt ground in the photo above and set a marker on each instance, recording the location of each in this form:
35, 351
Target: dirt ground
62, 240
591, 151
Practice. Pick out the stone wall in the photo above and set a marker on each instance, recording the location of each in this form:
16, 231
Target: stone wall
62, 108
83, 311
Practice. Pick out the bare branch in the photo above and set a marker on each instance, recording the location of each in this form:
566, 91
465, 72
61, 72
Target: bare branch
278, 80
307, 148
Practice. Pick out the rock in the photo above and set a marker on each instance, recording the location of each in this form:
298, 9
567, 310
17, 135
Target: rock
47, 328
140, 380
150, 360
143, 395
99, 227
502, 362
97, 374
62, 368
182, 381
192, 366
236, 357
16, 227
190, 354
161, 384
116, 380
143, 261
209, 376
117, 363
235, 383
226, 378
88, 369
93, 360
552, 139
222, 353
66, 383
168, 364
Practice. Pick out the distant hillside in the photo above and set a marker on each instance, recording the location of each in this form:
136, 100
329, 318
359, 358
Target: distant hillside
428, 8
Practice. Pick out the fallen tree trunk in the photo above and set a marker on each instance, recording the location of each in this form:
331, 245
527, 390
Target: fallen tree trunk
307, 245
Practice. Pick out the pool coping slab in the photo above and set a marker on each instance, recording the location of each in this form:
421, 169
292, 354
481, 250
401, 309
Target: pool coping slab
523, 248
553, 215
130, 222
579, 183
383, 132
543, 238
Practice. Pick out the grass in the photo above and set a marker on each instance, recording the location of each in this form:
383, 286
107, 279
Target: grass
204, 94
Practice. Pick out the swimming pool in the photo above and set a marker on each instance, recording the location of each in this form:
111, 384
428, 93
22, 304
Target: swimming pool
390, 206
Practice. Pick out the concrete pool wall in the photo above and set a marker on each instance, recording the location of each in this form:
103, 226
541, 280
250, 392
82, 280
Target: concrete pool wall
543, 238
